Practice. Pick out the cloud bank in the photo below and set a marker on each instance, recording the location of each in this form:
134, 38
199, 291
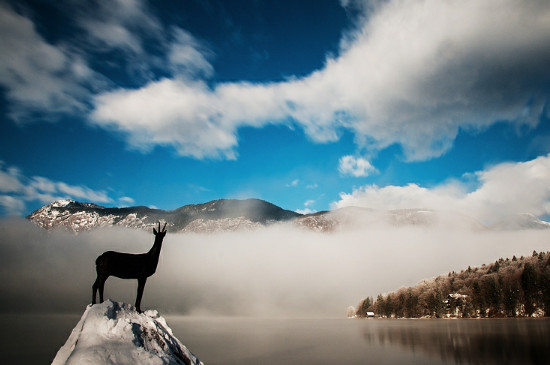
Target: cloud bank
278, 271
501, 190
414, 73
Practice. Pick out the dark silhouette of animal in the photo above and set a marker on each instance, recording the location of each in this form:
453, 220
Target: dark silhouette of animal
128, 266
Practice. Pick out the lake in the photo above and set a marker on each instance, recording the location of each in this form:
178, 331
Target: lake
365, 341
34, 339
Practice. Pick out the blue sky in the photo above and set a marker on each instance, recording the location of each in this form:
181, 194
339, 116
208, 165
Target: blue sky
311, 105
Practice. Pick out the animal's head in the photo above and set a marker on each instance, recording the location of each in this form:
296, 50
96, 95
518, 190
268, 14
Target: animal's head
159, 235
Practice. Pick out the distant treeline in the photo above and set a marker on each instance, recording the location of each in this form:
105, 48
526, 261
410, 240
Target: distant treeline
517, 287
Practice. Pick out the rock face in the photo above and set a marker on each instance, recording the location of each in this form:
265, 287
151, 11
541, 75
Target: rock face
217, 215
114, 333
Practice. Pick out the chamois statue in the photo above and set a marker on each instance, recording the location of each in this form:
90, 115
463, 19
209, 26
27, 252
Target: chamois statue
128, 266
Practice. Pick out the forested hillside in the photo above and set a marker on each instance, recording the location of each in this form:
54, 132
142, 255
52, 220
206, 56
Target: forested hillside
506, 288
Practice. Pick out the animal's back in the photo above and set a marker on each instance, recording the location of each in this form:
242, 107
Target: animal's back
119, 264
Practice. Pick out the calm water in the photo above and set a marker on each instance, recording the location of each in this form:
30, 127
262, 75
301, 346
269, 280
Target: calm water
35, 340
348, 341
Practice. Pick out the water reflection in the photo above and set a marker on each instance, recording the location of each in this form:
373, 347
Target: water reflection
506, 341
311, 341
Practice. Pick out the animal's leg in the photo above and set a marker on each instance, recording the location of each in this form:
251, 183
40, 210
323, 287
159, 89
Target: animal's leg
94, 289
141, 285
101, 286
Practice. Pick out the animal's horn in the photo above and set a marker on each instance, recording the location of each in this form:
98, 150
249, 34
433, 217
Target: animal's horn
159, 226
163, 228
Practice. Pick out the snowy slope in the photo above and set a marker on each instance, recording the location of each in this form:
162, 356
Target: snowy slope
114, 333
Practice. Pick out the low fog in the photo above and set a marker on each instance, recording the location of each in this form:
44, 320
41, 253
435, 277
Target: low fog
276, 271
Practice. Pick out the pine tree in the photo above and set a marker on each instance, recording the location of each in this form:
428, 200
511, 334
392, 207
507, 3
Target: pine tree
529, 286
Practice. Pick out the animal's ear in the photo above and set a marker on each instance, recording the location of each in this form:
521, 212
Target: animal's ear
155, 232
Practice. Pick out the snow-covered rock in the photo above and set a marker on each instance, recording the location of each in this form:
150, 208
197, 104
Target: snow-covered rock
115, 333
221, 225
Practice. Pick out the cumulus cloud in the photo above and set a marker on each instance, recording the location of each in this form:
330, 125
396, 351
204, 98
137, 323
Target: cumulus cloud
414, 73
355, 166
188, 115
504, 189
52, 77
16, 190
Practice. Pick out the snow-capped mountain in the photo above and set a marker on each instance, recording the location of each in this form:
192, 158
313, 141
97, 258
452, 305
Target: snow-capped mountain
115, 333
217, 215
250, 214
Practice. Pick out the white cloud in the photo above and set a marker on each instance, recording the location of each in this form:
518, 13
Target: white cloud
504, 189
39, 76
131, 27
293, 183
16, 190
355, 166
126, 200
168, 112
187, 56
307, 207
82, 192
12, 206
415, 73
9, 179
54, 77
119, 23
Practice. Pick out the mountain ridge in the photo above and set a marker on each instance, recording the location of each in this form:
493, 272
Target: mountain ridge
240, 214
249, 214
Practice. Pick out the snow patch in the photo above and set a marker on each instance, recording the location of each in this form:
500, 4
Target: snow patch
115, 333
61, 203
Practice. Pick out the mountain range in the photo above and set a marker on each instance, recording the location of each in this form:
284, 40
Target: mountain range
216, 215
249, 214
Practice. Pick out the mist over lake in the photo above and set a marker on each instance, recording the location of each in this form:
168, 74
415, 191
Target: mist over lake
279, 272
275, 271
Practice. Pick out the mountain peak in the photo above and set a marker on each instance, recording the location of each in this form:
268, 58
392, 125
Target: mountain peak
61, 203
